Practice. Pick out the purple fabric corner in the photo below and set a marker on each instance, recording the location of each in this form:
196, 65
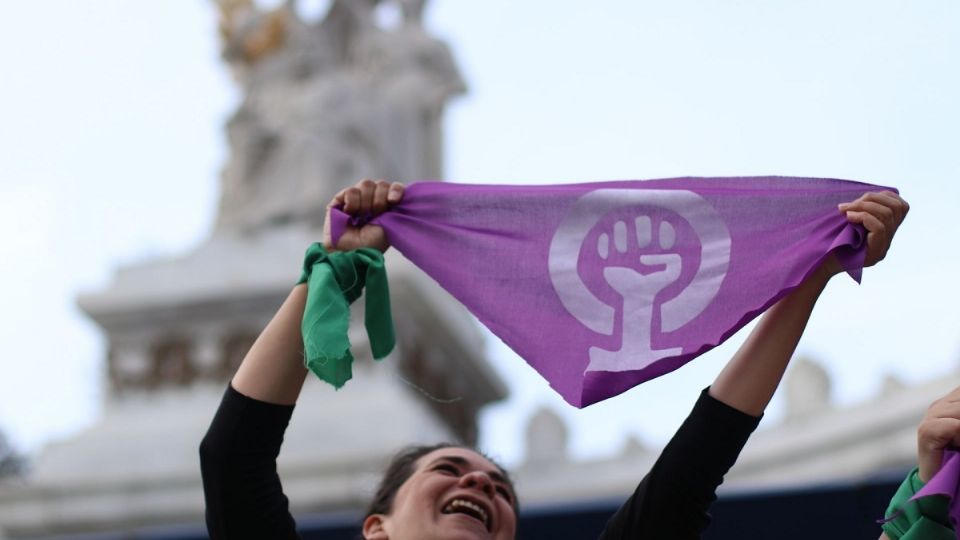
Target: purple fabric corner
946, 483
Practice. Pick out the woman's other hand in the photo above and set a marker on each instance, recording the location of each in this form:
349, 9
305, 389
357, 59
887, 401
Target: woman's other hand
368, 198
881, 213
939, 429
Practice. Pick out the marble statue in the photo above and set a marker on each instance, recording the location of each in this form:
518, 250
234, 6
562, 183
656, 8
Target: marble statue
326, 103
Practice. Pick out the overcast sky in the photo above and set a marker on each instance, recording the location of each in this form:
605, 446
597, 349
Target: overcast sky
111, 143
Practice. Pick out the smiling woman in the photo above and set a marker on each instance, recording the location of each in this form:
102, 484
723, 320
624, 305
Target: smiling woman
448, 491
431, 489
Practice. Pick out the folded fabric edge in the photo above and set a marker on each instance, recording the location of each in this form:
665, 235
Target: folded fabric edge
334, 371
850, 250
927, 521
672, 363
338, 224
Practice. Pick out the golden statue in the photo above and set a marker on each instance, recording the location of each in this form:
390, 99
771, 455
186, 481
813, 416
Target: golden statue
250, 34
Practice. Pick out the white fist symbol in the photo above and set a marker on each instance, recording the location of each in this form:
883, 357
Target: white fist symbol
638, 291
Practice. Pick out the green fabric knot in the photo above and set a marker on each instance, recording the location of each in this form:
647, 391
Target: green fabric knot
923, 519
334, 281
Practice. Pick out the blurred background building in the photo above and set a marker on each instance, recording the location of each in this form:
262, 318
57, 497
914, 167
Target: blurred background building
325, 103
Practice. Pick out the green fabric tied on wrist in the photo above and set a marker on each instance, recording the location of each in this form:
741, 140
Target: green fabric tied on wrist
923, 519
334, 281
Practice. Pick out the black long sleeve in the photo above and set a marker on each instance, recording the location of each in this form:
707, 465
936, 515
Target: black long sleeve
245, 499
673, 500
238, 456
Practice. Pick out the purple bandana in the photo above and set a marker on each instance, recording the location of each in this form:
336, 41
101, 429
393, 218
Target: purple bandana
603, 286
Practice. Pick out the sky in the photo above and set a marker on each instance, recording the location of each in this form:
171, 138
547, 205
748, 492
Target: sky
111, 145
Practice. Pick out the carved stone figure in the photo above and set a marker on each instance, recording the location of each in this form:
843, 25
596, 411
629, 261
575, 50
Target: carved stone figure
325, 104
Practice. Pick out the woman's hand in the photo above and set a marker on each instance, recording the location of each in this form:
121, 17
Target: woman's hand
939, 429
367, 198
881, 213
751, 377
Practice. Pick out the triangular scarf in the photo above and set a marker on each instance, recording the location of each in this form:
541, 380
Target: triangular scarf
603, 286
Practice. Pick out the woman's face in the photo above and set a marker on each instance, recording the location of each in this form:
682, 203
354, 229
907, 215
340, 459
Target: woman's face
453, 494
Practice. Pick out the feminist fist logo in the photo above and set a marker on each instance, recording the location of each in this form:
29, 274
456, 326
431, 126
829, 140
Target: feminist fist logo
653, 243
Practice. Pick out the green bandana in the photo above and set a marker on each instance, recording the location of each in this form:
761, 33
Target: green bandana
334, 281
923, 519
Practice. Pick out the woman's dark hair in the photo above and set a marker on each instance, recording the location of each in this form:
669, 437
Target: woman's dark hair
401, 468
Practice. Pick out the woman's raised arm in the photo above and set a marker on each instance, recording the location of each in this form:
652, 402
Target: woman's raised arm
674, 498
273, 369
243, 493
751, 377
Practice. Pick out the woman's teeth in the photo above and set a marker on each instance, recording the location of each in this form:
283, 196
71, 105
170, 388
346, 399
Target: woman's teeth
467, 507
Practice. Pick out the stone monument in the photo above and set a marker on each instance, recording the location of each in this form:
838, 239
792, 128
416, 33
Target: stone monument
325, 104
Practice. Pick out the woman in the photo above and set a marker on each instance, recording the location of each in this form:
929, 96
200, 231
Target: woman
454, 492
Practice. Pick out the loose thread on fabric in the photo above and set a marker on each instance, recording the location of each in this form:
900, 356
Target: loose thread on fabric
427, 394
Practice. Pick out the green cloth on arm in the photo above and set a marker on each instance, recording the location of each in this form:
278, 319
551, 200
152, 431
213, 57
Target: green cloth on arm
334, 281
923, 519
